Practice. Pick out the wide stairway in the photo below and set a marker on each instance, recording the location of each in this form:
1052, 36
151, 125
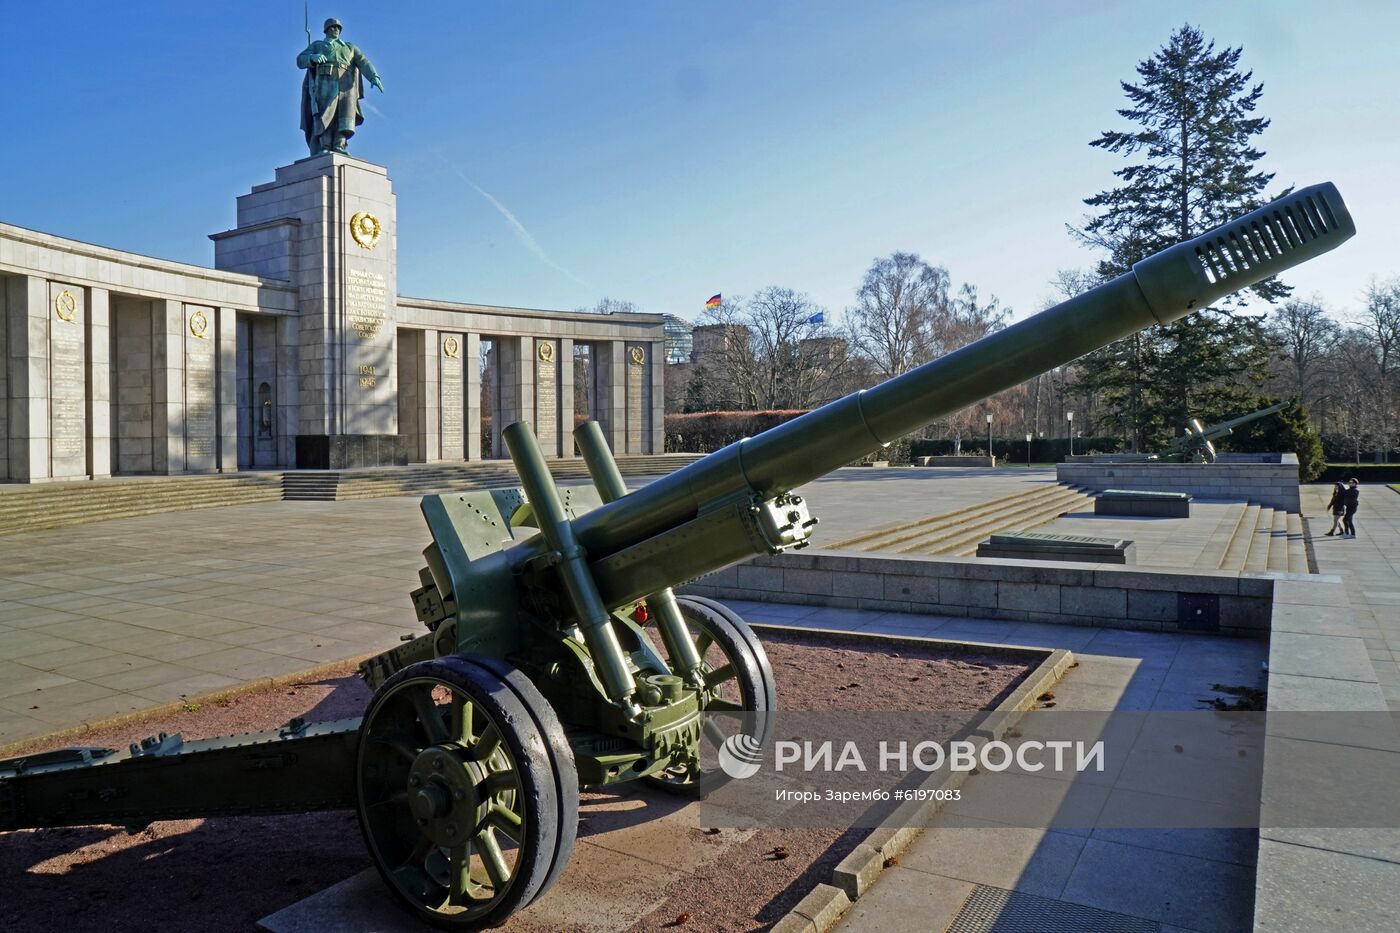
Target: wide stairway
1261, 539
57, 505
957, 533
456, 477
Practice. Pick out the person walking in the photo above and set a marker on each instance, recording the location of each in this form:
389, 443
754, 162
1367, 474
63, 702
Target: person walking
1337, 506
1351, 499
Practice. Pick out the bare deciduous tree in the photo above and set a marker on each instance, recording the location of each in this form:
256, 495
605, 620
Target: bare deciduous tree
1303, 334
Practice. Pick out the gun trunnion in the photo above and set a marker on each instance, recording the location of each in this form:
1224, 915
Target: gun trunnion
537, 672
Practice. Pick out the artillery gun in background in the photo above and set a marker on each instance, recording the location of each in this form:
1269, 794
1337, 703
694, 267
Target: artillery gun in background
536, 674
1196, 444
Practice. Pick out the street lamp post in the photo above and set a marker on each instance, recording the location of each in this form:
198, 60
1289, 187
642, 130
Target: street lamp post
1069, 417
990, 455
1028, 451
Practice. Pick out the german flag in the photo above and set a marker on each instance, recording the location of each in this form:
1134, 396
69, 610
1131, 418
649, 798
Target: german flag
714, 302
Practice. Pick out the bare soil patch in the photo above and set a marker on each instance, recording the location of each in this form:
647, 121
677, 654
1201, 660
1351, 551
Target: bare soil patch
225, 874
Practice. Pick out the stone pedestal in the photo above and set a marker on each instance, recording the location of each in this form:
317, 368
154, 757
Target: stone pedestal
327, 224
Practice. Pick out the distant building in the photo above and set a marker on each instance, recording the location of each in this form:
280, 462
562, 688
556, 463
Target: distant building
678, 339
709, 341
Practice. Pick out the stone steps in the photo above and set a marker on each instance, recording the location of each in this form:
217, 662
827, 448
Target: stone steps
1217, 546
959, 532
57, 505
1278, 542
1297, 550
1238, 549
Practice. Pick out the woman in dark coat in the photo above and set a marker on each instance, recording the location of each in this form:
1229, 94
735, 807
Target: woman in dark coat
1337, 506
1351, 499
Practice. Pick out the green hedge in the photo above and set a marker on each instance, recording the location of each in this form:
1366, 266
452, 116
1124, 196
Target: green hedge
707, 431
1043, 449
1366, 472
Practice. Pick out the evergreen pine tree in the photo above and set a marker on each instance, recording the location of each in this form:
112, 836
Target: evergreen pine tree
1193, 167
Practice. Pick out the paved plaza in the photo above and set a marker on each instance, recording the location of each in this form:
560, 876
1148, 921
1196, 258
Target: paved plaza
119, 616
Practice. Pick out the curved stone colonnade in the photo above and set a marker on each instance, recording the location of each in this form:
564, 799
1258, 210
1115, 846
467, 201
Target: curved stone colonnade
295, 351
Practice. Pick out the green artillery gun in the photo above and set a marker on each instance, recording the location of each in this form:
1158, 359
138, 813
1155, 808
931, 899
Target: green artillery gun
536, 673
1195, 446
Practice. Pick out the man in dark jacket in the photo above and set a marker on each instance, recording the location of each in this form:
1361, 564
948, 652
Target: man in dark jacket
1351, 498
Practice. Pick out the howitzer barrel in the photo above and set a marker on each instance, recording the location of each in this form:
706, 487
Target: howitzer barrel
1159, 289
1225, 427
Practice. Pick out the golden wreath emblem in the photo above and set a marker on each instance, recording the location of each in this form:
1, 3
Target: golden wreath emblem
451, 347
547, 352
199, 325
638, 355
365, 229
66, 307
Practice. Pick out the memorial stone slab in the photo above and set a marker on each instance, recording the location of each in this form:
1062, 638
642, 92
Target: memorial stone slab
546, 421
452, 404
636, 391
201, 413
67, 381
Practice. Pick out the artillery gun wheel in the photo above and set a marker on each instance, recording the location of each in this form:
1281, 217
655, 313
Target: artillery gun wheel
736, 670
466, 790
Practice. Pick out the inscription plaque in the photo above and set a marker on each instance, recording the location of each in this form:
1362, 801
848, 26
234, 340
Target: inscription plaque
547, 397
451, 403
200, 412
636, 387
67, 383
364, 302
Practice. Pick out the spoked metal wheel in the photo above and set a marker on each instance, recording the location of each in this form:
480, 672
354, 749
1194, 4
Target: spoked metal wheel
737, 675
461, 798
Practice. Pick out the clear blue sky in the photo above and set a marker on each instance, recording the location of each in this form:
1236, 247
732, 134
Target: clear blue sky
547, 154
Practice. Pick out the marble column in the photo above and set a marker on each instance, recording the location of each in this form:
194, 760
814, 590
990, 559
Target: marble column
99, 388
288, 389
27, 321
168, 385
4, 379
472, 363
612, 393
566, 397
328, 223
656, 410
227, 383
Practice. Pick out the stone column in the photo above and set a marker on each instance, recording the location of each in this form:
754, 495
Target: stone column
99, 388
429, 390
523, 382
27, 313
168, 385
612, 393
566, 397
656, 411
288, 389
226, 460
472, 362
4, 379
328, 224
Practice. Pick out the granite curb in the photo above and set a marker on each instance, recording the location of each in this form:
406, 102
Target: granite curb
824, 905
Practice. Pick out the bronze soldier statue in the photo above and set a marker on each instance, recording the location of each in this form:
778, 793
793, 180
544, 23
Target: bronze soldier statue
331, 90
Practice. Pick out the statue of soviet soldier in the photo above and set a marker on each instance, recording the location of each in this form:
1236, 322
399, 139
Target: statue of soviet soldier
331, 90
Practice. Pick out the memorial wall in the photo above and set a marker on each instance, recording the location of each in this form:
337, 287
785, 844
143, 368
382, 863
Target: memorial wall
294, 352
